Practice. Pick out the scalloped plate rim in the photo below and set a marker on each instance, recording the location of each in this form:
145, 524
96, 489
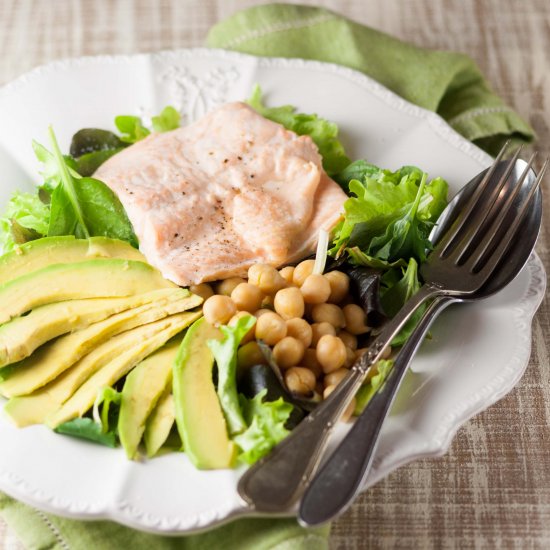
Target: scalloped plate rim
530, 302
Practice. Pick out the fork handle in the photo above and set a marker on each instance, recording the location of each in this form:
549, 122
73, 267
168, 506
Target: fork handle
275, 483
342, 476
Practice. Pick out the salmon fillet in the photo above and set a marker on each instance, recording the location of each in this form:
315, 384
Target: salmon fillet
209, 200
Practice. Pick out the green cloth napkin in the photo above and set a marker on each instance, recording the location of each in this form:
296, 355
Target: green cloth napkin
448, 83
40, 531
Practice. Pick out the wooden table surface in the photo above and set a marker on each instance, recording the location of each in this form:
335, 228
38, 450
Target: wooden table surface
492, 489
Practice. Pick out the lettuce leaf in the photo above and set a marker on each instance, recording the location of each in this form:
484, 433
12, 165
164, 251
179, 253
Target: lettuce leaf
367, 390
25, 218
321, 131
168, 119
266, 426
131, 127
225, 354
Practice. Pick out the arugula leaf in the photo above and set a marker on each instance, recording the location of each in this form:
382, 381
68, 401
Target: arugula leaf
109, 400
83, 207
25, 218
169, 119
397, 293
390, 215
225, 354
406, 236
266, 426
131, 127
51, 173
86, 428
321, 131
366, 391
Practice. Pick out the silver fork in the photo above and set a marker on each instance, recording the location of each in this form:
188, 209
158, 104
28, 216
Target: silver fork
461, 263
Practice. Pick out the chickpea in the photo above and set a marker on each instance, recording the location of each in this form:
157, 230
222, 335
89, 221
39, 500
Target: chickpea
203, 290
386, 353
372, 372
288, 352
287, 273
249, 336
266, 278
346, 415
349, 339
315, 289
300, 380
350, 357
360, 352
218, 309
249, 355
319, 388
301, 272
331, 353
289, 303
260, 312
335, 377
268, 303
355, 319
329, 313
310, 361
301, 330
339, 286
247, 297
226, 287
320, 329
270, 328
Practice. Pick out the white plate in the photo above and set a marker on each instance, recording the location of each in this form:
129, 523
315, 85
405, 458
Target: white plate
477, 354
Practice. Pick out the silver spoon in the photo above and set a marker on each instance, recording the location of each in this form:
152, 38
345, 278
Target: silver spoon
344, 474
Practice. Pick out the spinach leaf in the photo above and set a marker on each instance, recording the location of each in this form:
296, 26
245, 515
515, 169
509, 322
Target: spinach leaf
87, 164
86, 428
84, 207
90, 140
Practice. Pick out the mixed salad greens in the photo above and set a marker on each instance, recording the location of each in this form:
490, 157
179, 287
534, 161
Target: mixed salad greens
384, 228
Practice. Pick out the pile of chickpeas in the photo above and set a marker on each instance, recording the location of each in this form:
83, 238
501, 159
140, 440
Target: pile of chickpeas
308, 319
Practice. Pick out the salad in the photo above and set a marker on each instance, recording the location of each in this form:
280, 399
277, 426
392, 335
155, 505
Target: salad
97, 344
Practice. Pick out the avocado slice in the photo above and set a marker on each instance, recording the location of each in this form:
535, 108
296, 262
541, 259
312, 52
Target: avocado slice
34, 408
83, 399
199, 417
23, 335
41, 253
92, 279
159, 424
51, 360
142, 389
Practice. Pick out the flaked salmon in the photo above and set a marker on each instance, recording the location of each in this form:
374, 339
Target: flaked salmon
210, 199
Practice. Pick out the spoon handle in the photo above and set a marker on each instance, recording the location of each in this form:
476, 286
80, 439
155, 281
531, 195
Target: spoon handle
277, 481
342, 476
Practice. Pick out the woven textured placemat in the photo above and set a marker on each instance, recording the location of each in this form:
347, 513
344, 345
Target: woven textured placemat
493, 487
